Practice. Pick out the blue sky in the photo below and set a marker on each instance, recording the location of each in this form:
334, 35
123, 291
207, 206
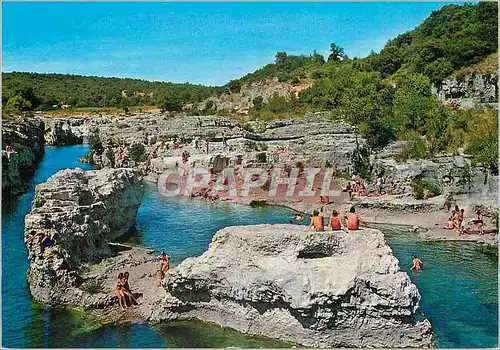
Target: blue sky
206, 43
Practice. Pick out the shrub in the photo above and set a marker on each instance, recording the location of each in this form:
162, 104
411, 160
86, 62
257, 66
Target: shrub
95, 146
424, 189
136, 152
416, 148
93, 286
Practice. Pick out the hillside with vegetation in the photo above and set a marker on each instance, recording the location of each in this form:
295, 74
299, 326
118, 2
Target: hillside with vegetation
386, 95
43, 91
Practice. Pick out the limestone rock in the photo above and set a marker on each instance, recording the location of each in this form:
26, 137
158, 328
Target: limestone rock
329, 289
63, 131
82, 211
25, 135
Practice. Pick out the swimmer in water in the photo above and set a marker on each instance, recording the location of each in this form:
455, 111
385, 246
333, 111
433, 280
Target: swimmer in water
417, 264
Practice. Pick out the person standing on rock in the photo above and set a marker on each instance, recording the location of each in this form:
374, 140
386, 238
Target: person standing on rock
316, 221
206, 146
353, 219
164, 265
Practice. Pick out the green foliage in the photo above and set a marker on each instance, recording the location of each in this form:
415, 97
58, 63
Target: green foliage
95, 146
15, 106
136, 152
411, 100
416, 148
453, 37
424, 189
336, 53
93, 286
170, 101
110, 154
46, 90
482, 138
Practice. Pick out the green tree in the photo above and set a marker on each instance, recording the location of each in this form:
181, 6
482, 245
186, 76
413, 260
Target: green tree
169, 101
411, 101
336, 53
16, 105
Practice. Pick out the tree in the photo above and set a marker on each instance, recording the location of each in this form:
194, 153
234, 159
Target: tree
336, 53
411, 101
16, 105
280, 57
169, 101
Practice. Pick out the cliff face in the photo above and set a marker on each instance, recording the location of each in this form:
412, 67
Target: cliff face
82, 211
313, 141
468, 91
67, 131
26, 138
329, 289
243, 100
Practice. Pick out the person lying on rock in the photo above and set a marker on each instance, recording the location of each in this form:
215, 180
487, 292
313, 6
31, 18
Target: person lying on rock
335, 223
119, 292
164, 265
417, 264
316, 221
353, 219
450, 224
126, 289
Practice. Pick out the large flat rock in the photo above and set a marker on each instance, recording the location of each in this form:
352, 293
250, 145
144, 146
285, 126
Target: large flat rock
328, 289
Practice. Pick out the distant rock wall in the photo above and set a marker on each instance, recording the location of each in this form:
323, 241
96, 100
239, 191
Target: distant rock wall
329, 289
82, 212
26, 138
243, 100
468, 91
67, 131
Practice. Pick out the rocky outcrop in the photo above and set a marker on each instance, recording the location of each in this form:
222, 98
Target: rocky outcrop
468, 91
453, 175
25, 136
81, 212
329, 289
67, 131
242, 100
313, 141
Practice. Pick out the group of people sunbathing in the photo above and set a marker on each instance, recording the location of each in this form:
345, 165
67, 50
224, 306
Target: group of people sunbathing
457, 222
349, 221
360, 188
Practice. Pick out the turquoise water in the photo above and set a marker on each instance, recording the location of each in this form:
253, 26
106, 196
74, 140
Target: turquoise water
459, 286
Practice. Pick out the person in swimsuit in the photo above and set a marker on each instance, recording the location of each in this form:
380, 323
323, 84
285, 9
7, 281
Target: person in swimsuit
335, 223
164, 265
316, 221
126, 289
450, 225
119, 291
417, 264
353, 220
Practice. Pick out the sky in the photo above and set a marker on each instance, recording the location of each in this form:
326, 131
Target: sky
201, 43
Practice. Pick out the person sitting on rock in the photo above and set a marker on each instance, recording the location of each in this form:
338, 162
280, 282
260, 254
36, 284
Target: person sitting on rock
353, 219
417, 264
119, 292
316, 221
9, 150
335, 223
164, 265
450, 224
126, 289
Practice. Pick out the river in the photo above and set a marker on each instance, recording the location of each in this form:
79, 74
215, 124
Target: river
459, 286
